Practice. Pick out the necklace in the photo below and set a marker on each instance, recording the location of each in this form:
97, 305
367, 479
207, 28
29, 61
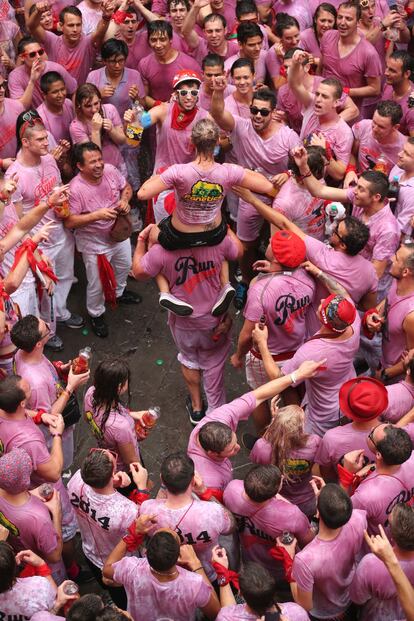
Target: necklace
165, 573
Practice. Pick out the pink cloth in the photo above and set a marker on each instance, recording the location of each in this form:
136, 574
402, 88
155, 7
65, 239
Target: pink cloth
194, 276
273, 63
381, 6
339, 441
80, 131
8, 32
202, 50
85, 198
234, 107
33, 524
150, 599
90, 17
260, 525
353, 69
198, 523
199, 193
77, 60
8, 141
119, 427
260, 66
27, 597
218, 473
306, 211
159, 76
339, 135
102, 519
58, 124
26, 435
373, 587
204, 100
296, 8
322, 405
298, 467
309, 42
394, 341
284, 299
400, 401
120, 99
238, 612
326, 568
404, 210
379, 493
371, 149
407, 121
19, 79
46, 616
173, 145
140, 47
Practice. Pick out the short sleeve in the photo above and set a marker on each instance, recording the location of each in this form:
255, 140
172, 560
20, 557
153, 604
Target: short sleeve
126, 570
236, 173
112, 114
47, 538
170, 176
152, 261
302, 574
78, 132
203, 594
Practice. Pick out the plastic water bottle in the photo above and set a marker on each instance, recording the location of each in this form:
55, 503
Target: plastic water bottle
82, 361
393, 191
134, 129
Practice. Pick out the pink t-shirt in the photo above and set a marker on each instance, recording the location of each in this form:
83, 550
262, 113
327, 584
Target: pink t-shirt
339, 135
217, 473
152, 600
32, 526
236, 108
326, 568
58, 124
404, 210
339, 441
102, 518
77, 60
198, 523
407, 121
19, 79
238, 612
298, 466
119, 427
306, 211
373, 588
26, 435
8, 31
81, 131
140, 47
371, 149
394, 340
174, 146
120, 99
260, 525
296, 8
353, 69
159, 76
204, 100
46, 616
88, 197
309, 42
273, 63
26, 597
356, 274
8, 141
400, 401
284, 299
379, 493
90, 17
322, 405
259, 69
194, 276
199, 193
202, 50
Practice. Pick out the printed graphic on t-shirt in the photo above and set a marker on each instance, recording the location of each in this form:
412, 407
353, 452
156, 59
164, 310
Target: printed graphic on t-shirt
287, 307
12, 528
250, 534
84, 505
205, 192
297, 467
191, 273
187, 538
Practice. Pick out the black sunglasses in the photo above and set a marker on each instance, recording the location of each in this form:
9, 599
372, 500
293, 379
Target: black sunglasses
262, 111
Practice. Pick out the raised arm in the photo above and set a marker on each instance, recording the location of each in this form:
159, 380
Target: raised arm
190, 35
33, 23
315, 187
152, 187
222, 117
98, 37
295, 78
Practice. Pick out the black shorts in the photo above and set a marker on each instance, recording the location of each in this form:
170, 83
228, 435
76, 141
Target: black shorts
171, 239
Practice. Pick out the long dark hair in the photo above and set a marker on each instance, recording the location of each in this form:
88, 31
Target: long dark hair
8, 567
329, 8
109, 376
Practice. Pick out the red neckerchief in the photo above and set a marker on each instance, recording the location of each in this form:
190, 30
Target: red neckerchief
180, 119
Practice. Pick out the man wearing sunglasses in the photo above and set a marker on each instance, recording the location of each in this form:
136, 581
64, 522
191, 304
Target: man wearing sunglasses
259, 143
32, 54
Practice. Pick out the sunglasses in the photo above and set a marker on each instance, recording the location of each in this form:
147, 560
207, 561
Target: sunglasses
35, 53
43, 336
30, 119
371, 434
104, 450
339, 236
262, 111
3, 85
183, 92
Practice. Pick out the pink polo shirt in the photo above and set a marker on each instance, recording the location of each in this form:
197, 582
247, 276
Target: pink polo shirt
77, 60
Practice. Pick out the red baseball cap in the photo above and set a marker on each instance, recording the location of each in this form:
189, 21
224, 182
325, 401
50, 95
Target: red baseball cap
185, 75
337, 312
288, 248
363, 398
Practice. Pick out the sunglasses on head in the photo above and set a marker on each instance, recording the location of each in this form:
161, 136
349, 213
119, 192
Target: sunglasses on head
104, 450
35, 53
262, 111
184, 92
30, 119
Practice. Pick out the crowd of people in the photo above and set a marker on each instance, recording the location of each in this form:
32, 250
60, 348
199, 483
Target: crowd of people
240, 153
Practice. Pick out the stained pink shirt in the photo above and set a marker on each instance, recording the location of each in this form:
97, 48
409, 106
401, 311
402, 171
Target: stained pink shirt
8, 118
77, 60
306, 211
341, 440
353, 69
404, 210
204, 100
238, 612
326, 568
400, 401
151, 600
8, 31
159, 76
407, 121
26, 435
309, 42
202, 49
284, 299
217, 473
119, 427
90, 17
296, 8
260, 66
194, 277
140, 47
339, 135
26, 597
19, 79
120, 99
58, 124
199, 193
394, 341
371, 149
102, 518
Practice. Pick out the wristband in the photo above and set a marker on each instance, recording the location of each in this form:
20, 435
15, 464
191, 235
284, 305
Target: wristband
43, 570
68, 392
351, 168
293, 378
302, 177
139, 496
133, 540
198, 568
3, 197
279, 553
210, 492
224, 575
56, 435
145, 119
370, 335
38, 418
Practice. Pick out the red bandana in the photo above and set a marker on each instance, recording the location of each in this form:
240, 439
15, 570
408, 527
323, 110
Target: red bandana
180, 119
